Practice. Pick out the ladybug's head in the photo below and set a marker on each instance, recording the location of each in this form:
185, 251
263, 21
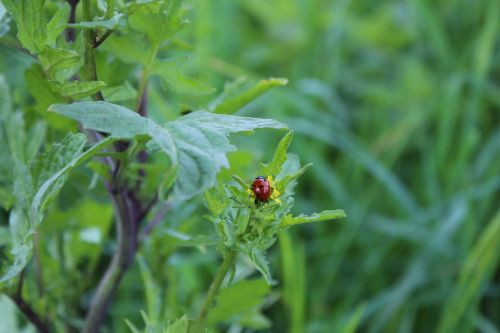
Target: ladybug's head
260, 178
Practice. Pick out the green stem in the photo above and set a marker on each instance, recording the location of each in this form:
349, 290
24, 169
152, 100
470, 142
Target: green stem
89, 68
229, 257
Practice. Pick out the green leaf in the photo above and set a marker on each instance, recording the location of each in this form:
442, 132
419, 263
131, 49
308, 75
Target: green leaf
325, 215
119, 122
258, 258
197, 142
202, 145
477, 269
104, 24
238, 301
241, 92
77, 89
156, 22
119, 93
151, 291
4, 20
273, 168
179, 326
57, 24
172, 78
129, 48
31, 22
54, 60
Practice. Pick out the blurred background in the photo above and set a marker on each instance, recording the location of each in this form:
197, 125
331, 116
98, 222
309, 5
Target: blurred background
397, 105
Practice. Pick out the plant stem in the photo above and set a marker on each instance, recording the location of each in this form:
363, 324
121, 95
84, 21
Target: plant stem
26, 309
89, 68
122, 259
229, 257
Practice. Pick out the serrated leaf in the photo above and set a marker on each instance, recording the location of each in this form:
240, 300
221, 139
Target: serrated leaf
325, 215
258, 258
119, 122
273, 168
202, 145
172, 77
155, 21
179, 326
77, 89
283, 183
51, 187
31, 22
104, 24
197, 142
238, 301
240, 93
54, 59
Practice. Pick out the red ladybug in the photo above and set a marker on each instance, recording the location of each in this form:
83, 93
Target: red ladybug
261, 189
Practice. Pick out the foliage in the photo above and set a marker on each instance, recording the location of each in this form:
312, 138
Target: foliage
394, 102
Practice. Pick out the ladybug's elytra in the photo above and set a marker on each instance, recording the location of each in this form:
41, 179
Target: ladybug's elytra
261, 188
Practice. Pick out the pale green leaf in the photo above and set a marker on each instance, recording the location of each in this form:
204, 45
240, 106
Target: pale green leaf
172, 77
118, 121
105, 24
197, 142
273, 168
325, 215
240, 93
54, 59
202, 145
31, 22
179, 326
77, 89
151, 291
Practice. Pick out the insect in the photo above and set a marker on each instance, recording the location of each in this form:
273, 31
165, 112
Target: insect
261, 188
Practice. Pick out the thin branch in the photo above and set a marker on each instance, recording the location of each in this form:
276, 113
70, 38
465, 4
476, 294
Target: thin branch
26, 309
100, 39
229, 257
70, 32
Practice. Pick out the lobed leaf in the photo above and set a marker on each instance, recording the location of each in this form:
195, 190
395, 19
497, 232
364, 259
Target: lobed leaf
202, 144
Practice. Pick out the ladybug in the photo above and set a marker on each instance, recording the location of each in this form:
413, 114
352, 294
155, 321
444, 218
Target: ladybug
261, 188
